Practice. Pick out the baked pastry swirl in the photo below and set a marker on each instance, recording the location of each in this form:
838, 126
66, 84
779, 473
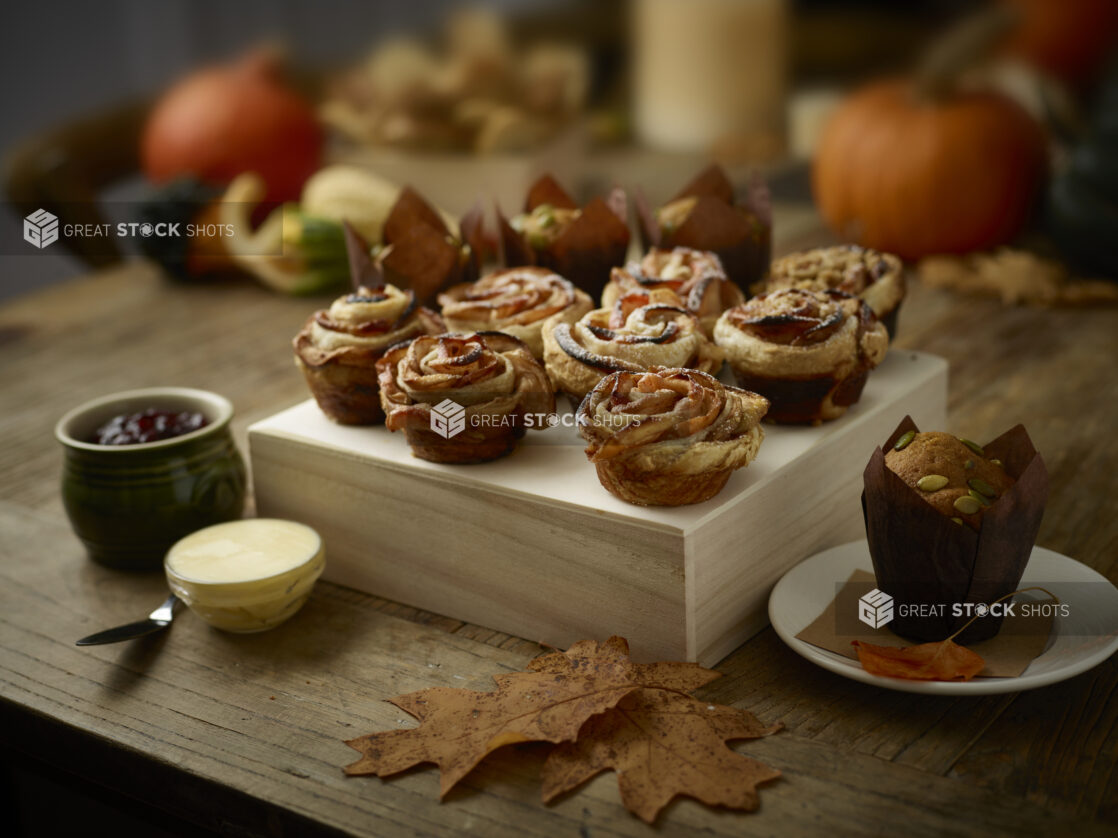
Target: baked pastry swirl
669, 437
338, 347
641, 330
515, 301
878, 278
463, 398
696, 277
807, 352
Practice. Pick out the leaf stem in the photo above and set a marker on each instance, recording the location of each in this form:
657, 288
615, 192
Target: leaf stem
999, 599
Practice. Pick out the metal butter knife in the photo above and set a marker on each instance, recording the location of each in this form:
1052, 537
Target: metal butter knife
157, 620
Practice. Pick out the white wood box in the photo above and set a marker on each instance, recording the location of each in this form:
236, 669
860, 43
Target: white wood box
533, 546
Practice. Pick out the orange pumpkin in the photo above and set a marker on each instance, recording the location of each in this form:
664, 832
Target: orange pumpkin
918, 175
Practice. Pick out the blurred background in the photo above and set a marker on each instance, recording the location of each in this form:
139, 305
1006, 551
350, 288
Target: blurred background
139, 111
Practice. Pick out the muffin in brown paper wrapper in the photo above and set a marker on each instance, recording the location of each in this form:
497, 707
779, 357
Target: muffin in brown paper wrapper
420, 252
921, 556
740, 233
588, 247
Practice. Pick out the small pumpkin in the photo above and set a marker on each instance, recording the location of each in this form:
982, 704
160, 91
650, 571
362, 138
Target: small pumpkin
222, 121
919, 166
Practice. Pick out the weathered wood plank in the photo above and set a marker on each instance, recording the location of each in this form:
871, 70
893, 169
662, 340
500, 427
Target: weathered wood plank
263, 715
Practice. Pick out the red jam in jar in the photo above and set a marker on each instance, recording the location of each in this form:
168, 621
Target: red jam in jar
148, 425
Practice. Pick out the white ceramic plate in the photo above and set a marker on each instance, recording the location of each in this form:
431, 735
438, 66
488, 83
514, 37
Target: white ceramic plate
1082, 640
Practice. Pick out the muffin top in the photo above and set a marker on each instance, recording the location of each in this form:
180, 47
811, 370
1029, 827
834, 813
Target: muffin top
954, 475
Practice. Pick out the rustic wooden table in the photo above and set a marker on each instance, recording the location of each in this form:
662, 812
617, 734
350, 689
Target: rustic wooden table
243, 733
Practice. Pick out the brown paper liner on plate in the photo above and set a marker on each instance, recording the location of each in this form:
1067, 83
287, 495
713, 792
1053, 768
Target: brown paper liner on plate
586, 251
923, 557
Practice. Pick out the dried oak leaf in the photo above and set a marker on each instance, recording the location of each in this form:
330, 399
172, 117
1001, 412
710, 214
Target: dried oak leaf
662, 743
549, 704
944, 660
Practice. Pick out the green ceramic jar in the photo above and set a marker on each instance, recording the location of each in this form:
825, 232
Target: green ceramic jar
129, 503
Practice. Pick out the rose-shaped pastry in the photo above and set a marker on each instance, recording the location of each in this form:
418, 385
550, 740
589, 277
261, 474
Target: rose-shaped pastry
669, 437
514, 301
696, 277
807, 352
463, 398
878, 278
338, 347
641, 330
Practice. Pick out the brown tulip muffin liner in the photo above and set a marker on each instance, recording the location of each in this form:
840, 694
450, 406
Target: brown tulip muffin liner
807, 400
739, 233
921, 556
586, 251
420, 252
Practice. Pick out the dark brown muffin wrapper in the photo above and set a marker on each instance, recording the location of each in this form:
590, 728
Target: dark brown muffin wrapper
921, 556
586, 252
422, 255
740, 235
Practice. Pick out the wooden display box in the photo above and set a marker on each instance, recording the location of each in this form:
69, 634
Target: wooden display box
532, 545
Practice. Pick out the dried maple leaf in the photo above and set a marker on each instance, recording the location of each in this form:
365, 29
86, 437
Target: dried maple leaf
674, 675
662, 744
550, 703
942, 661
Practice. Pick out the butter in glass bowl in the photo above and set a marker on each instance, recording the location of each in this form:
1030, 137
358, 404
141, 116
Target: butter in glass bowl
248, 575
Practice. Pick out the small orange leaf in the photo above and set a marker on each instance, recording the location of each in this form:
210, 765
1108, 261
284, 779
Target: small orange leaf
942, 661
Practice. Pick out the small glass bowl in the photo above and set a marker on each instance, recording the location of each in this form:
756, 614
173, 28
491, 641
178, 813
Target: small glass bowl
241, 605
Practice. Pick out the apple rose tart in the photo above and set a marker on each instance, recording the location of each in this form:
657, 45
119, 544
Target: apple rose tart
514, 301
807, 352
878, 278
338, 347
696, 277
669, 437
463, 398
641, 330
